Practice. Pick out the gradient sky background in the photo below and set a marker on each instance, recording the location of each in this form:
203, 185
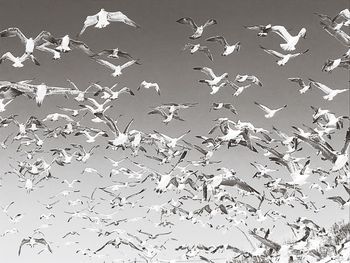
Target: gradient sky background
158, 45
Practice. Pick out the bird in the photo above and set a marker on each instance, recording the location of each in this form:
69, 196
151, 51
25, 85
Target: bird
228, 49
198, 30
269, 112
283, 59
290, 40
331, 64
103, 19
302, 84
66, 43
148, 85
18, 61
117, 70
113, 53
215, 80
330, 93
250, 78
29, 43
198, 47
229, 106
32, 241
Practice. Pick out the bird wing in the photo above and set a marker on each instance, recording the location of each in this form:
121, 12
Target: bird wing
12, 32
263, 107
207, 52
298, 80
89, 21
129, 63
188, 21
265, 241
272, 52
127, 126
105, 63
111, 124
219, 39
120, 17
81, 45
282, 32
207, 71
321, 86
23, 242
209, 23
44, 35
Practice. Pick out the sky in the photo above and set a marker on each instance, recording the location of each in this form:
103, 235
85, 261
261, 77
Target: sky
158, 45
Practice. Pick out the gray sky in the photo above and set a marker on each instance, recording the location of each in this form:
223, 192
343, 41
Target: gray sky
158, 45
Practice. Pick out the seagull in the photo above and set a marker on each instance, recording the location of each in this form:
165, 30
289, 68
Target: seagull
102, 19
117, 70
32, 241
42, 90
229, 106
113, 53
304, 87
65, 43
148, 85
269, 112
108, 93
330, 93
29, 43
194, 48
228, 49
215, 80
18, 61
291, 41
241, 78
198, 30
283, 59
263, 30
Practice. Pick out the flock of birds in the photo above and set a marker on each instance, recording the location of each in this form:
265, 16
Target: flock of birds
221, 196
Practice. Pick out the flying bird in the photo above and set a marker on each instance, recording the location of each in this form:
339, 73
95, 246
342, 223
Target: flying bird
198, 30
103, 19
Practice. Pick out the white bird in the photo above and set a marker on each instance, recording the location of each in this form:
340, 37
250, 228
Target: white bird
215, 80
198, 30
18, 61
304, 87
197, 47
65, 44
269, 112
241, 78
330, 93
228, 49
117, 70
29, 43
291, 41
113, 53
148, 85
283, 59
109, 93
102, 19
